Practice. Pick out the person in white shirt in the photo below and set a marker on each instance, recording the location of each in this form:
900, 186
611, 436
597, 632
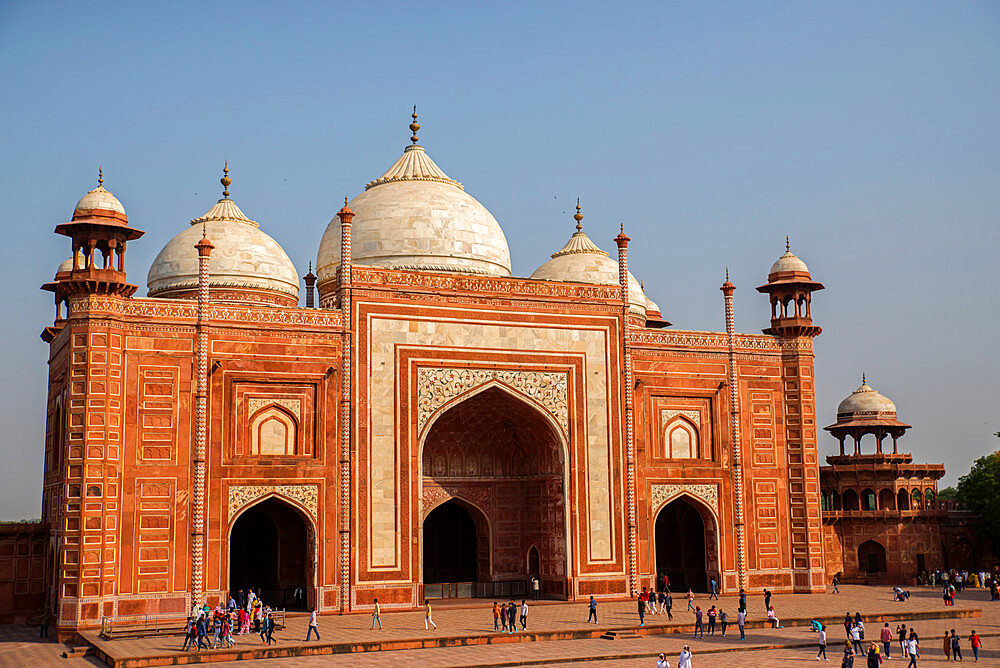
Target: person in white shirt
685, 660
661, 661
822, 645
524, 614
313, 628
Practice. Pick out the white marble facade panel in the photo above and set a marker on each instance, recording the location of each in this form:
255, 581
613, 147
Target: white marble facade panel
386, 332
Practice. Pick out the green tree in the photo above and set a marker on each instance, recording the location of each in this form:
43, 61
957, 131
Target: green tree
948, 494
979, 492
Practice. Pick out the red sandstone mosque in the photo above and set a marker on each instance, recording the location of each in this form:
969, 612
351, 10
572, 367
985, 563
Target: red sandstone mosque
427, 425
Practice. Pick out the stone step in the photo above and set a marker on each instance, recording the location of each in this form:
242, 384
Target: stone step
620, 635
77, 651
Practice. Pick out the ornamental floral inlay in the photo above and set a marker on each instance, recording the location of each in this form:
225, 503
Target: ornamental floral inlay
662, 494
437, 386
666, 415
294, 406
306, 496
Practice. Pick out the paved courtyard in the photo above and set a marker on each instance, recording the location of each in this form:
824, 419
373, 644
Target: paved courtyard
795, 643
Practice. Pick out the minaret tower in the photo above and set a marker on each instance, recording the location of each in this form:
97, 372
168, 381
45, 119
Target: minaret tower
790, 286
84, 483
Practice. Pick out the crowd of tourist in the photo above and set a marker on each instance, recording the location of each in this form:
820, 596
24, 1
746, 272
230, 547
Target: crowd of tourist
208, 628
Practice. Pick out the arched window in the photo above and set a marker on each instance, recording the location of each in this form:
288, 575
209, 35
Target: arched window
886, 500
917, 500
902, 500
273, 432
834, 501
929, 498
850, 499
868, 500
681, 440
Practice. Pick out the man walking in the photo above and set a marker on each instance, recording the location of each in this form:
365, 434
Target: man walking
313, 628
913, 648
741, 620
956, 647
723, 620
427, 615
535, 587
836, 582
822, 645
715, 590
592, 615
642, 610
377, 616
496, 617
524, 615
669, 603
698, 628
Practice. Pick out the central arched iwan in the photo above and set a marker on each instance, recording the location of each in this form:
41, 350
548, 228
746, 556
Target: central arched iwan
507, 457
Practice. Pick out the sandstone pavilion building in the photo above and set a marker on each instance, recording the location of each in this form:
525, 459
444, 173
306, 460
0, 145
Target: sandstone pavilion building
425, 425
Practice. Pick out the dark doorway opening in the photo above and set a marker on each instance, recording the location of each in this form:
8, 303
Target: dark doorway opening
534, 562
680, 546
450, 541
269, 552
871, 557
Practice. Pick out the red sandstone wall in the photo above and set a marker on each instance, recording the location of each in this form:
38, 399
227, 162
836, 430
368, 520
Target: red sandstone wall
23, 573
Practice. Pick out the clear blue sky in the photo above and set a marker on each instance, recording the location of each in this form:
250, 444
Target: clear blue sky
867, 131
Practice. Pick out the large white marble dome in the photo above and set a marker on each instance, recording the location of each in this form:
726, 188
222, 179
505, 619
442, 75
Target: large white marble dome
415, 217
246, 262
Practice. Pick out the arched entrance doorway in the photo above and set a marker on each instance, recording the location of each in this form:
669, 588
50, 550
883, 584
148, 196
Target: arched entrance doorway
269, 551
871, 557
451, 545
682, 535
506, 457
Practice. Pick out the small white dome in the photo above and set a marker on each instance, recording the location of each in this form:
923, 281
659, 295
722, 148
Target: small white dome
865, 400
99, 198
788, 262
244, 257
582, 261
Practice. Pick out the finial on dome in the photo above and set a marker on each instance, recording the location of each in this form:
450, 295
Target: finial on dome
864, 380
225, 180
578, 216
204, 230
100, 176
345, 200
788, 245
414, 126
727, 273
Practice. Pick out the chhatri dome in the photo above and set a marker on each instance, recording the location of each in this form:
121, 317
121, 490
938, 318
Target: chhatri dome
98, 199
582, 261
246, 265
415, 217
865, 402
788, 266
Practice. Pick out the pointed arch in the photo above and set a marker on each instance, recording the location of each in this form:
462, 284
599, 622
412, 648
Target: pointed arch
505, 446
491, 384
691, 552
274, 431
271, 545
681, 438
